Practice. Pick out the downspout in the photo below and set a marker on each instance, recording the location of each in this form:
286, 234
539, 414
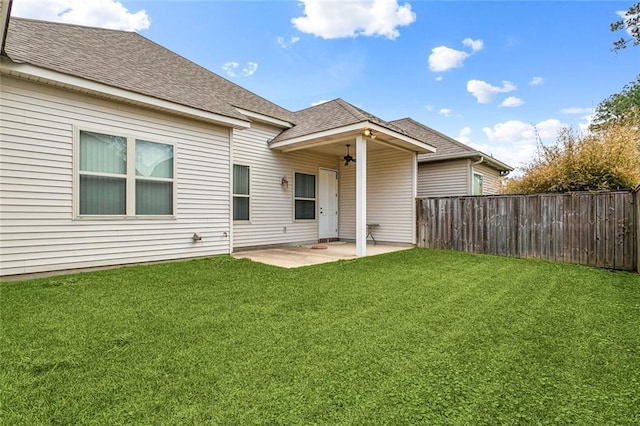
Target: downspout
480, 161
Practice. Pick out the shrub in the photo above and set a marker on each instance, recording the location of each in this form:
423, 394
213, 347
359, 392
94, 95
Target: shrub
608, 159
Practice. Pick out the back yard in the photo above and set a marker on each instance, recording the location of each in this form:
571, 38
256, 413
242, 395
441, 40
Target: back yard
418, 336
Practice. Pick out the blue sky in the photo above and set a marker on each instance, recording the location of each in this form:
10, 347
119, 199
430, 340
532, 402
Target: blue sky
484, 73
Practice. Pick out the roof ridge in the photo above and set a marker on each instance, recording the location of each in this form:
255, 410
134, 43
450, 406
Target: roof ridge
351, 109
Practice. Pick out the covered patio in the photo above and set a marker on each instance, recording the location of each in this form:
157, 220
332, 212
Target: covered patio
377, 185
295, 256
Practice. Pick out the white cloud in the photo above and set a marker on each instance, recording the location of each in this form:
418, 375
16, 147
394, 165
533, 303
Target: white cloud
249, 69
512, 102
536, 81
514, 142
95, 13
576, 110
332, 19
282, 42
445, 111
320, 102
231, 68
475, 45
586, 116
443, 58
439, 78
629, 28
585, 122
485, 92
463, 135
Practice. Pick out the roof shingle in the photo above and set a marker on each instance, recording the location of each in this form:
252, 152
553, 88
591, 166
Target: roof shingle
331, 115
129, 61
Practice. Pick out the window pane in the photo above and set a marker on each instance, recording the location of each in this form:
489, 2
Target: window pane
240, 208
153, 197
305, 186
305, 209
103, 153
102, 195
240, 179
477, 184
154, 159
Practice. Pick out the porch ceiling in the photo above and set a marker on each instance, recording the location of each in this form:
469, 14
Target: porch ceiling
333, 141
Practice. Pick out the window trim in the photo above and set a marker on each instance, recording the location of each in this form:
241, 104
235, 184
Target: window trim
315, 199
234, 195
130, 177
473, 183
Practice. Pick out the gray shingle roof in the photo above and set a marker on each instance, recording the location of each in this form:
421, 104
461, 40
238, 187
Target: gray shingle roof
331, 115
446, 147
129, 61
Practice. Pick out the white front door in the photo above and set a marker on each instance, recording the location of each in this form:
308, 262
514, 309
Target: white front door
328, 204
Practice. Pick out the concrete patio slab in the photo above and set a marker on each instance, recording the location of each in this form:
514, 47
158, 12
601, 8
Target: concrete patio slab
294, 256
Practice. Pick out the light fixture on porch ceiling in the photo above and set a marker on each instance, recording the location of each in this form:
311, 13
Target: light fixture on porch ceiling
348, 158
368, 133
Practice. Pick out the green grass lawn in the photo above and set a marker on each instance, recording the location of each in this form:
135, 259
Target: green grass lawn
418, 336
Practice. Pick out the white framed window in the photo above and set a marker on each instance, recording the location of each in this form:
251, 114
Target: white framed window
120, 175
304, 196
241, 192
477, 184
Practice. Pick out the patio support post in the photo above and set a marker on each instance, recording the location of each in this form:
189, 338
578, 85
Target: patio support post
361, 196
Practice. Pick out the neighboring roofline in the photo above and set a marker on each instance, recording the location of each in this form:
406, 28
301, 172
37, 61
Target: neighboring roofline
474, 154
442, 135
265, 118
43, 75
5, 15
293, 144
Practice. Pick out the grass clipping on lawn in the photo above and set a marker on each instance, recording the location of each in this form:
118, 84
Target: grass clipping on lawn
418, 336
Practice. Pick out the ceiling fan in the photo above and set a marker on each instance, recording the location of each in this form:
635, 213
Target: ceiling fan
348, 158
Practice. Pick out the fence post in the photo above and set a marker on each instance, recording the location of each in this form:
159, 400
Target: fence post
419, 223
636, 225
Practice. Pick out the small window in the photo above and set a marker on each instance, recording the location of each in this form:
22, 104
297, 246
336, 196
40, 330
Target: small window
305, 196
477, 184
241, 196
107, 179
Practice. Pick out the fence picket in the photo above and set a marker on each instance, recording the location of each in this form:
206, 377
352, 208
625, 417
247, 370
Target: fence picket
597, 229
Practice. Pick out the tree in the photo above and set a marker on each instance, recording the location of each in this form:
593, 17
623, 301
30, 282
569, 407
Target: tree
630, 21
606, 160
618, 107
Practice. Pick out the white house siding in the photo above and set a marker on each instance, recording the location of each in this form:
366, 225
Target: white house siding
38, 231
390, 196
271, 204
491, 180
448, 178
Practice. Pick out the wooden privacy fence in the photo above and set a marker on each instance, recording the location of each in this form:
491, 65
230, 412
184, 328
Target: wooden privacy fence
597, 229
